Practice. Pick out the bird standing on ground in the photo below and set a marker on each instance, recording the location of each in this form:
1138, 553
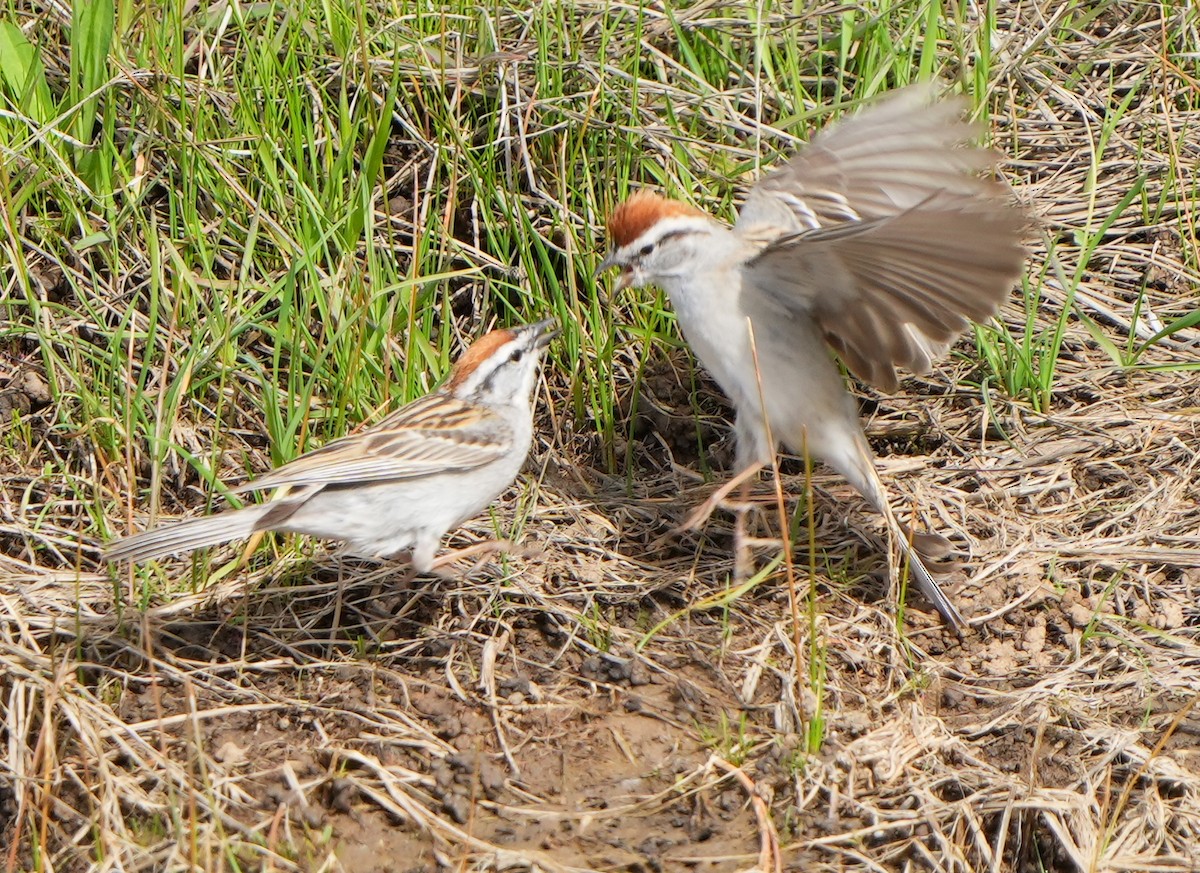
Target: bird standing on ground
403, 483
879, 239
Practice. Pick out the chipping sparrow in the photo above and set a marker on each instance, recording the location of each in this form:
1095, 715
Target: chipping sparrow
878, 239
402, 483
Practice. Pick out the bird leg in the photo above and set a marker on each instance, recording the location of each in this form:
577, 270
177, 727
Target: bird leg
743, 560
394, 610
490, 547
701, 513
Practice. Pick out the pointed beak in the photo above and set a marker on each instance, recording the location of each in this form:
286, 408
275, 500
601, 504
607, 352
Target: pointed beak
610, 260
624, 280
543, 332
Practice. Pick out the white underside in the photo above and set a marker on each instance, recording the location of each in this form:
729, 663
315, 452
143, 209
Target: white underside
393, 517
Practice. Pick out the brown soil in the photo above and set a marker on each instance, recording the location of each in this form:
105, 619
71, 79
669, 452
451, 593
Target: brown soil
611, 699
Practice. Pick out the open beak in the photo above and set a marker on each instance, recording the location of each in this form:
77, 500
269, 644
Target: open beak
626, 277
544, 332
610, 260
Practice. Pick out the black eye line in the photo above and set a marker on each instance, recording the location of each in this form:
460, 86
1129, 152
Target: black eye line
651, 246
488, 381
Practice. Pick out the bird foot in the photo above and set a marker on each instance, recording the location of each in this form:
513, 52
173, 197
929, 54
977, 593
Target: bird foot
482, 551
700, 514
933, 546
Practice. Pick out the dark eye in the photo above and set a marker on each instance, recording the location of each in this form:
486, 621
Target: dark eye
645, 250
516, 355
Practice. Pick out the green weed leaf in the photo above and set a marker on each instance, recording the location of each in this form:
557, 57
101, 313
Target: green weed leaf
22, 74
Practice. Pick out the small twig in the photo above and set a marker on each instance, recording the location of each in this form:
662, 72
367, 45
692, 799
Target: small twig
487, 684
770, 860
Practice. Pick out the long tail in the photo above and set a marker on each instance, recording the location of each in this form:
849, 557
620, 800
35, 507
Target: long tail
929, 587
184, 536
859, 469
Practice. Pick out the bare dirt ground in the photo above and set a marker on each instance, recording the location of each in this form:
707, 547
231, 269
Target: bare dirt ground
605, 700
599, 705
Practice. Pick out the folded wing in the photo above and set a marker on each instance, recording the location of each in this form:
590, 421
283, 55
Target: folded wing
431, 435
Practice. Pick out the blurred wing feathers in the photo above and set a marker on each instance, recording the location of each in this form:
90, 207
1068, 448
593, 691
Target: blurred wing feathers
895, 291
876, 163
882, 230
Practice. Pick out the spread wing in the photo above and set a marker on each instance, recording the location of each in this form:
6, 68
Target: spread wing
882, 230
433, 434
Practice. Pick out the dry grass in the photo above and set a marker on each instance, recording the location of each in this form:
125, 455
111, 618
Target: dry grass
602, 704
